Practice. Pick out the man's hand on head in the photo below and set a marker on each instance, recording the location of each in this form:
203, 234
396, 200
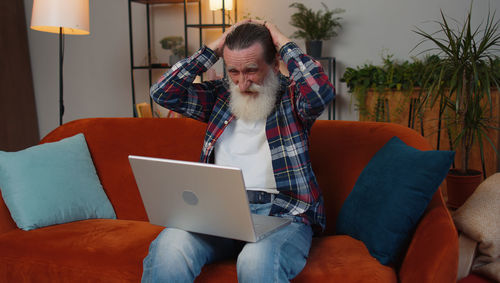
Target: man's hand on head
218, 44
279, 38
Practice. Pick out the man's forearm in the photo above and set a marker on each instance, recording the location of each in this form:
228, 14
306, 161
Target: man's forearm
314, 89
175, 88
184, 72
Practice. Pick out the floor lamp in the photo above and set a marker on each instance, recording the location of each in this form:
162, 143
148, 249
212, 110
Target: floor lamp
63, 17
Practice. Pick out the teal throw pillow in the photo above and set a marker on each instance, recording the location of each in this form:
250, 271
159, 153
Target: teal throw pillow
390, 196
52, 183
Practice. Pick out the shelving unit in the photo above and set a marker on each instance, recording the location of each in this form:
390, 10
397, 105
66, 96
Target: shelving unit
331, 75
200, 26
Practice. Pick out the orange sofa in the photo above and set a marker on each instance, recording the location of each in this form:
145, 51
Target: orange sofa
103, 250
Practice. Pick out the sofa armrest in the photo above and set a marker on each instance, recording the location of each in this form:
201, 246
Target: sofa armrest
6, 221
433, 252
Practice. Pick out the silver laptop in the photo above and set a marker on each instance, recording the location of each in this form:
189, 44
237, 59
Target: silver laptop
201, 198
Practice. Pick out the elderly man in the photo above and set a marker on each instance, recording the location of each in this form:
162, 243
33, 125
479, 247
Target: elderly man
258, 120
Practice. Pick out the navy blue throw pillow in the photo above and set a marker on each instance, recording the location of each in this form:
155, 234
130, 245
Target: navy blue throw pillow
390, 196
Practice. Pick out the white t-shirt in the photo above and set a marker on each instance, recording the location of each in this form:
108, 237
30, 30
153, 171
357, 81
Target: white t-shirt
243, 144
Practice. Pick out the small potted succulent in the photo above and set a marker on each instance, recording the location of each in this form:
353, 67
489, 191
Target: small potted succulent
314, 27
174, 44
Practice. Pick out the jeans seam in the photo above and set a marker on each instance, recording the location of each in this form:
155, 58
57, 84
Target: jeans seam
277, 257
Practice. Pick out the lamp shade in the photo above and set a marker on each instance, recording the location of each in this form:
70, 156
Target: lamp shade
217, 4
70, 15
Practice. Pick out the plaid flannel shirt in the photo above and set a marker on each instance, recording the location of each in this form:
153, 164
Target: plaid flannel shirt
301, 99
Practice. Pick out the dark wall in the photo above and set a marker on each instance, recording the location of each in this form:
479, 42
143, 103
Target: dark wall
18, 119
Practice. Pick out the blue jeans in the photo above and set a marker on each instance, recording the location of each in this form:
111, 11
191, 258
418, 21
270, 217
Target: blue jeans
178, 256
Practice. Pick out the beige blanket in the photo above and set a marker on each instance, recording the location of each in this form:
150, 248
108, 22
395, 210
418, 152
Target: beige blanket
478, 221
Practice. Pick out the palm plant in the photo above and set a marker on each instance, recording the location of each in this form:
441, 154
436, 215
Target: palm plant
461, 81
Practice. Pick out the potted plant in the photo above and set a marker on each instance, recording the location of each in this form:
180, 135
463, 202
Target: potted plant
393, 84
314, 27
466, 72
174, 44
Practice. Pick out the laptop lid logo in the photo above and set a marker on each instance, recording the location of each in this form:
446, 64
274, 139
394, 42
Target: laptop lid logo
190, 197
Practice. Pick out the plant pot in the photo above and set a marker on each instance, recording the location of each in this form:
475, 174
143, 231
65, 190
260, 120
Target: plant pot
314, 48
460, 187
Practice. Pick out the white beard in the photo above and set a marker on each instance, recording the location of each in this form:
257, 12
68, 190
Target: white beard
256, 106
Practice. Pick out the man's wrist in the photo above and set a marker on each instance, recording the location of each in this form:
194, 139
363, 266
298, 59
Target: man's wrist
288, 50
212, 50
283, 41
212, 47
283, 44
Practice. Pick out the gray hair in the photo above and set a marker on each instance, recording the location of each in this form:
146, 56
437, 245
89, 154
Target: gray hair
245, 35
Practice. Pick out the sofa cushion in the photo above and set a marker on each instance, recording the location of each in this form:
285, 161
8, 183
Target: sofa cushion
96, 250
52, 183
477, 218
112, 140
331, 259
390, 196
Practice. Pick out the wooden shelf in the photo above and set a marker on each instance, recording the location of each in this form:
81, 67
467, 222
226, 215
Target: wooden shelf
154, 66
208, 26
162, 1
162, 66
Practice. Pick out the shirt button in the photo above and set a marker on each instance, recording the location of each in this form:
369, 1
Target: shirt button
225, 122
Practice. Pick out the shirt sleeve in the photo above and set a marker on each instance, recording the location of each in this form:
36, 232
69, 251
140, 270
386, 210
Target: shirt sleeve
312, 88
177, 91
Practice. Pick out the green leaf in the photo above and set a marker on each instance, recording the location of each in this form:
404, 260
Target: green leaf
311, 25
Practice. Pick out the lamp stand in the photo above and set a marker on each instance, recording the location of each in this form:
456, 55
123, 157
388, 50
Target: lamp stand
61, 87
